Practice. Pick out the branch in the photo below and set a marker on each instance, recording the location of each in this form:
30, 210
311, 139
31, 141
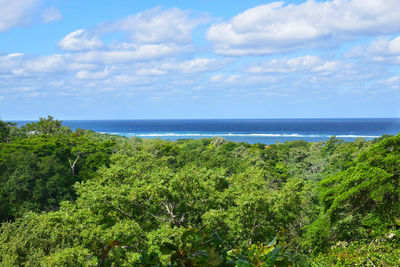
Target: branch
170, 211
147, 212
118, 209
72, 164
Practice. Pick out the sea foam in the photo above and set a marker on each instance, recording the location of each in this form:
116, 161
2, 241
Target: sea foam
289, 135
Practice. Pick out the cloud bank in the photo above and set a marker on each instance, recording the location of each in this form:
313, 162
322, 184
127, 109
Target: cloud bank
276, 27
314, 50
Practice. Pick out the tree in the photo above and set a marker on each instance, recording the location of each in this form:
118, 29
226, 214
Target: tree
6, 131
362, 201
46, 126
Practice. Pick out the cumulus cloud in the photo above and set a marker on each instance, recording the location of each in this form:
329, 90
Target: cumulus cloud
155, 55
84, 74
383, 50
277, 27
157, 26
196, 65
305, 64
151, 34
10, 62
134, 53
15, 13
385, 46
21, 65
392, 82
243, 80
79, 40
150, 72
45, 64
51, 14
216, 78
395, 60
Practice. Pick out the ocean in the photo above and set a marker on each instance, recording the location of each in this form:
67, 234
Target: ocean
266, 131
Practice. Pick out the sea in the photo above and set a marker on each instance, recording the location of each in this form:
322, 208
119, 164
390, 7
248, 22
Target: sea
265, 131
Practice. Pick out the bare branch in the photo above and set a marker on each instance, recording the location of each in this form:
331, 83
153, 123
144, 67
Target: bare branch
118, 209
170, 211
145, 210
72, 164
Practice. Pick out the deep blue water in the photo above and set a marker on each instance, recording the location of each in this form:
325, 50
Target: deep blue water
266, 131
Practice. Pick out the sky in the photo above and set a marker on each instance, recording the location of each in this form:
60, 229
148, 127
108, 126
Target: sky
199, 59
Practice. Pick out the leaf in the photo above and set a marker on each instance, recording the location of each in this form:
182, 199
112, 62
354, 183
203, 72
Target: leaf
186, 234
128, 240
202, 253
281, 263
273, 242
272, 256
167, 248
242, 263
268, 249
217, 239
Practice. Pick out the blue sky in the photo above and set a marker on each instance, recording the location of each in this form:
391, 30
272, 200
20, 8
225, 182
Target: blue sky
199, 59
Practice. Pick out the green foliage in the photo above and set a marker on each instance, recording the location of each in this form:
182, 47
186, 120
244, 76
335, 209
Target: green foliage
77, 257
82, 199
7, 130
30, 239
378, 252
45, 126
37, 172
199, 249
361, 202
195, 249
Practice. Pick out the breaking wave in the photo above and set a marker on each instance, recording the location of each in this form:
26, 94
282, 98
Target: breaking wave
188, 135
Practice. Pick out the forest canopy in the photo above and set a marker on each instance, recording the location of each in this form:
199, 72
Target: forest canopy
79, 198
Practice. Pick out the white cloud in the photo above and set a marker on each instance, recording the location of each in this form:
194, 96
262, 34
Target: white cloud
195, 65
125, 80
34, 94
52, 63
9, 62
276, 27
327, 67
385, 46
24, 89
14, 55
157, 26
79, 40
57, 83
392, 82
216, 78
152, 34
304, 64
140, 52
243, 80
151, 72
76, 66
84, 74
20, 65
382, 50
51, 14
386, 59
15, 13
395, 79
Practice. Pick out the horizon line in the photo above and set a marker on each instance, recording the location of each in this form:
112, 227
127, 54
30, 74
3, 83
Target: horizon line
285, 118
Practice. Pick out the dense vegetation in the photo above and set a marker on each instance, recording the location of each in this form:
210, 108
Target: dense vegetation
77, 198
